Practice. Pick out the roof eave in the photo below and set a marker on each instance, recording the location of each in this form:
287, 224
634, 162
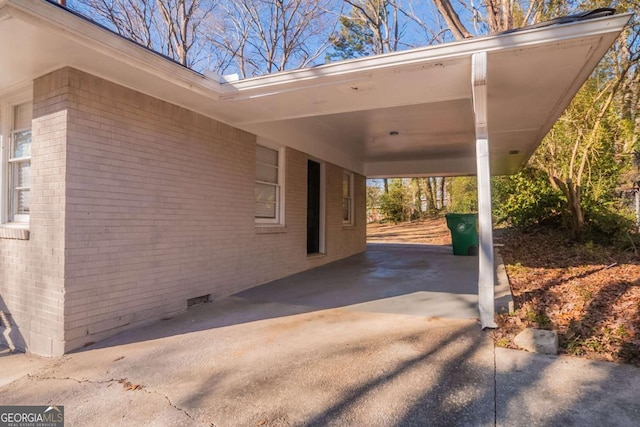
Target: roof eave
84, 32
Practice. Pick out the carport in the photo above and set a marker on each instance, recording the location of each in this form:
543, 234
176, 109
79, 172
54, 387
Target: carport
477, 107
286, 355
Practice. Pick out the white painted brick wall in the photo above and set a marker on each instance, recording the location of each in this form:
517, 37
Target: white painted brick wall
32, 271
160, 208
138, 205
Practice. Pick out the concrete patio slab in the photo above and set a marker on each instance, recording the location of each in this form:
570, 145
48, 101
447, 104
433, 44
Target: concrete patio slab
421, 280
14, 366
325, 348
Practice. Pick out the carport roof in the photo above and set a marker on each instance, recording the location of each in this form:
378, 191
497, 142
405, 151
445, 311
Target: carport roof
343, 112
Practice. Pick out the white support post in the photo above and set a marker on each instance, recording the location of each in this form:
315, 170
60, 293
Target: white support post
486, 280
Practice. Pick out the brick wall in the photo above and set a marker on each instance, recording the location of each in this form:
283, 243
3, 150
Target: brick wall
160, 208
32, 271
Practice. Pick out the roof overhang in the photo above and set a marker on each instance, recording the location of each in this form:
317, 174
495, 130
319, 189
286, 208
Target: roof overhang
343, 112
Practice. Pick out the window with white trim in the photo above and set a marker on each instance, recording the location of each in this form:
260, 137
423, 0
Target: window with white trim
347, 198
269, 188
17, 163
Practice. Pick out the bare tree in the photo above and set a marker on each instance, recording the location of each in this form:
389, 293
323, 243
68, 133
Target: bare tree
182, 19
371, 27
443, 192
171, 27
373, 24
499, 15
494, 16
265, 36
417, 197
452, 19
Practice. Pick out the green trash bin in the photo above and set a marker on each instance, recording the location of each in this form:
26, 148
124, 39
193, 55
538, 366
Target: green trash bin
464, 233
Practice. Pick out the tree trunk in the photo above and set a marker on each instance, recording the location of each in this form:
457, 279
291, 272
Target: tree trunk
575, 208
452, 19
442, 192
499, 15
417, 193
431, 196
386, 185
576, 214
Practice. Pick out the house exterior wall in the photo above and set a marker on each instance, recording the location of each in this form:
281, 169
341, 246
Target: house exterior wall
157, 206
32, 262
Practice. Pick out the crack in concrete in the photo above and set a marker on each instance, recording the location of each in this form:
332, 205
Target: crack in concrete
40, 377
120, 381
170, 403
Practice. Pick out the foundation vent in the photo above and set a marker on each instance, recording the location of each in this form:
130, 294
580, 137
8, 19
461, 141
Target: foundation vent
191, 302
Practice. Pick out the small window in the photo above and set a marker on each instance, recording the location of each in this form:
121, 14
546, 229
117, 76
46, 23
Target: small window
269, 177
19, 164
347, 198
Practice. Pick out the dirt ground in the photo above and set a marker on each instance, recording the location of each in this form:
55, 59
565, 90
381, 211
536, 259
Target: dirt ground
431, 232
589, 294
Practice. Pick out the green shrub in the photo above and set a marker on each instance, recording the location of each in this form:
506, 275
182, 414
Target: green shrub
463, 193
606, 224
525, 199
393, 205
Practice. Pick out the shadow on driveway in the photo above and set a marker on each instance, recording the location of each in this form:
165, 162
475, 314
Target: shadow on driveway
326, 347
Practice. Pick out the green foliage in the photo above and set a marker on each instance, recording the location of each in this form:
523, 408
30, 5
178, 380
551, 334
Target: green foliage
606, 224
575, 177
503, 342
371, 27
394, 205
353, 40
526, 199
463, 194
584, 159
539, 318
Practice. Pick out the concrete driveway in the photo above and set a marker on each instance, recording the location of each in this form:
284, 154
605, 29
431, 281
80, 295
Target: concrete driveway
372, 340
421, 280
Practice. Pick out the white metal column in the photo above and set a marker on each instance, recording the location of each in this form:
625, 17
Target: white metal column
486, 281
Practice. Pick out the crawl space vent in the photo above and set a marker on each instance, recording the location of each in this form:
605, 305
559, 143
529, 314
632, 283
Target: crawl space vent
197, 301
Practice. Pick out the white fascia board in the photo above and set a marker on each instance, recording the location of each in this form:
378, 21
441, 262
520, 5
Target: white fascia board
519, 39
420, 168
104, 42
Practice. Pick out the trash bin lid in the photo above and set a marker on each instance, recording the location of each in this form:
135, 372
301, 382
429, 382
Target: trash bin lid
461, 215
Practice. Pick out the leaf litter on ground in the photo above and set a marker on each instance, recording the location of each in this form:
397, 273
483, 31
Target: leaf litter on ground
589, 294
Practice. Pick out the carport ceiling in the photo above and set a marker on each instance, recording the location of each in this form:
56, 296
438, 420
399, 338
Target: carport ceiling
345, 112
415, 117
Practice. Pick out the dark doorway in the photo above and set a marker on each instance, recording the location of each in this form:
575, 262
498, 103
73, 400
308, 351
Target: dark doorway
313, 207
